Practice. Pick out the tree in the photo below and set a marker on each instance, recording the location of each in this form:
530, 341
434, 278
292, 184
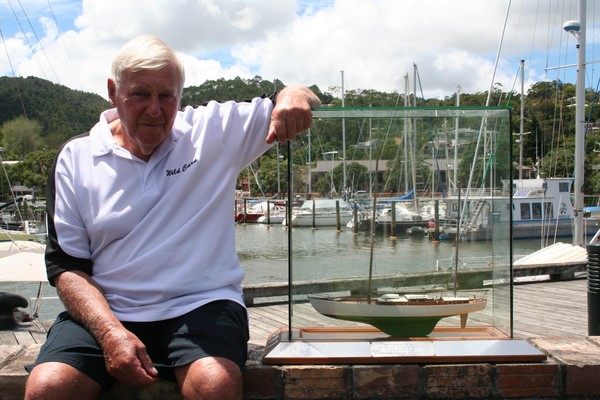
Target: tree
21, 136
268, 172
62, 112
33, 170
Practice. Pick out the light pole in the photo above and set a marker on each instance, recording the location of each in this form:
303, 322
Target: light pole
343, 135
577, 28
522, 119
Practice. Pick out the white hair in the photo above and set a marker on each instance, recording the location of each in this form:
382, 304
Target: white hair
146, 52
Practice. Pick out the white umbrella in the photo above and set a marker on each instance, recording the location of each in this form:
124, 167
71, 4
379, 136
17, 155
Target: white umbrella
24, 266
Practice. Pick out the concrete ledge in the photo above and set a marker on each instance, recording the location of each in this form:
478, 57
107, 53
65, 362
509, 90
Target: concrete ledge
571, 371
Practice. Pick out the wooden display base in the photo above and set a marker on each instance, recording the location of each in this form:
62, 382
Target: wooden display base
358, 345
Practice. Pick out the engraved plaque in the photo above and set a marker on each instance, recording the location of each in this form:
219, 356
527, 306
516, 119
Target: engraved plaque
402, 349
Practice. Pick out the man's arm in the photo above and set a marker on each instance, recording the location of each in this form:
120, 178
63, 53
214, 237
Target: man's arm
125, 355
292, 113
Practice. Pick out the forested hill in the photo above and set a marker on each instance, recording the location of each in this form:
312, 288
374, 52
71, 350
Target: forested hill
64, 113
237, 89
61, 112
37, 116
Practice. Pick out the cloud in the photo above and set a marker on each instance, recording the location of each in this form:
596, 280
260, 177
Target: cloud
376, 43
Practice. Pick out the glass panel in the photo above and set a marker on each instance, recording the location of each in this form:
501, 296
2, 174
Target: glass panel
404, 223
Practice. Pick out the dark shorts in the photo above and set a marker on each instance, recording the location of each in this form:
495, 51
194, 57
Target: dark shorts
217, 329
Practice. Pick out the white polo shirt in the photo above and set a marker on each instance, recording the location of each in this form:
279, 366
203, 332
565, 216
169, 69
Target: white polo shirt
159, 236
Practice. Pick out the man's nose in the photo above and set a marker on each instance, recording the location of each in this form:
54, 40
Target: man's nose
153, 108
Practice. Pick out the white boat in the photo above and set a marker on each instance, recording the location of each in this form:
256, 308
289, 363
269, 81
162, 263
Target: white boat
271, 212
274, 217
399, 315
13, 227
541, 208
404, 219
322, 212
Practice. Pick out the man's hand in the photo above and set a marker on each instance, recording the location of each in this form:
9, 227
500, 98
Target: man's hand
126, 358
292, 113
125, 355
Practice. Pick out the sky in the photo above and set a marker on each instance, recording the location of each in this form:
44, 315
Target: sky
473, 44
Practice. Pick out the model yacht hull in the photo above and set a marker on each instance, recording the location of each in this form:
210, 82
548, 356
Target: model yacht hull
401, 317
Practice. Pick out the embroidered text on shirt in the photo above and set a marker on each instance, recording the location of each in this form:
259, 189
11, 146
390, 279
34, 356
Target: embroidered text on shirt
175, 171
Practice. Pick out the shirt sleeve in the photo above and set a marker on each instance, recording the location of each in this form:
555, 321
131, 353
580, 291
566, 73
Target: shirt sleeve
57, 260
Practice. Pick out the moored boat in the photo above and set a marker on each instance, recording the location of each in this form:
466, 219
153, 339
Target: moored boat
402, 220
322, 212
258, 210
541, 208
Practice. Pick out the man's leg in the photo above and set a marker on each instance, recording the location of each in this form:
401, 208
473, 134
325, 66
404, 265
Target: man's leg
206, 350
53, 380
210, 378
70, 364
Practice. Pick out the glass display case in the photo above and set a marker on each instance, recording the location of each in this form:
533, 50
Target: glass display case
400, 237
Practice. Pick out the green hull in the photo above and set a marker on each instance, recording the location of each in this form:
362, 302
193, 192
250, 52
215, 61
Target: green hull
397, 326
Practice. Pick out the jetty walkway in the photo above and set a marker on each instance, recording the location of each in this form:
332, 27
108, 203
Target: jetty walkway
550, 315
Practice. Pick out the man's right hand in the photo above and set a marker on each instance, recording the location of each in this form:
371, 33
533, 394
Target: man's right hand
125, 355
126, 358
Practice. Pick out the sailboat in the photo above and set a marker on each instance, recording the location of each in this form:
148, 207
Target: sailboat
398, 315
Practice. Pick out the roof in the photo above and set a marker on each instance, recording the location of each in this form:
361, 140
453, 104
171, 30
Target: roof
328, 165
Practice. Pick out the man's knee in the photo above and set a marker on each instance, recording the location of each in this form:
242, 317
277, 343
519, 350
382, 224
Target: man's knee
211, 378
60, 381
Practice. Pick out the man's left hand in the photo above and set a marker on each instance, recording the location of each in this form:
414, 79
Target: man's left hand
292, 113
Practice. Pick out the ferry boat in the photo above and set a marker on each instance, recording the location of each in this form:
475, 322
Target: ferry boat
540, 208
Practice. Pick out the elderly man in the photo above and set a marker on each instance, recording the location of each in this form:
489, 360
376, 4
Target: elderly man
141, 236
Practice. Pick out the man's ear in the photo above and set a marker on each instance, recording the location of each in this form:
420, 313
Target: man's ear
112, 91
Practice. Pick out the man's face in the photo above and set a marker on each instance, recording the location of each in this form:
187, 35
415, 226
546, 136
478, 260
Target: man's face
147, 102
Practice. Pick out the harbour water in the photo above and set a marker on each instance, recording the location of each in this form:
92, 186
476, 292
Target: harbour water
325, 253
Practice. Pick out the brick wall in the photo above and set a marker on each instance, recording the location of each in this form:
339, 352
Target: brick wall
572, 371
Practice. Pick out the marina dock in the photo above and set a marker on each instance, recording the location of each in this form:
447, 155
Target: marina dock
551, 315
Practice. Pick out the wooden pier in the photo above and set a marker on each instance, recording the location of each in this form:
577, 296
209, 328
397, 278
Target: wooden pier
547, 308
551, 315
544, 308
